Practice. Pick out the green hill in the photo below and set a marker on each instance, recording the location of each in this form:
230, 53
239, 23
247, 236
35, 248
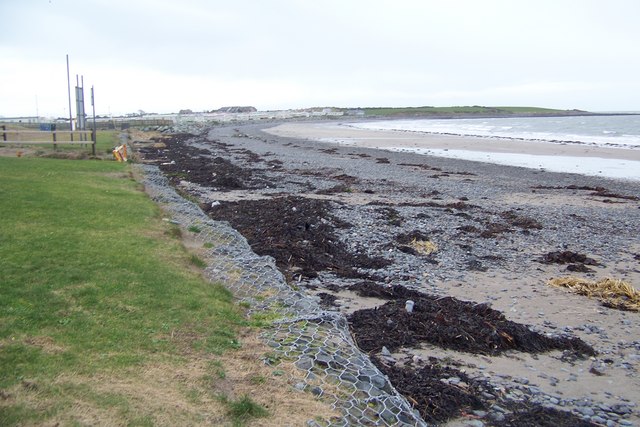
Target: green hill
467, 111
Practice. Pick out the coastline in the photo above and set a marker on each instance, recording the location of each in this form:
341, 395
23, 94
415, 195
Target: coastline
454, 146
344, 134
491, 226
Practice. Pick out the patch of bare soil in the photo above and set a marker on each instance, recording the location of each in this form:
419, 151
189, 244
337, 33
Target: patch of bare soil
298, 233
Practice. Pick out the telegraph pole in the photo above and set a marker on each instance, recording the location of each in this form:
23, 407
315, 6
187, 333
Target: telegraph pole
69, 91
95, 131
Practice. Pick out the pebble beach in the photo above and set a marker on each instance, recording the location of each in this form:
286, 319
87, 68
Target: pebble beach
490, 227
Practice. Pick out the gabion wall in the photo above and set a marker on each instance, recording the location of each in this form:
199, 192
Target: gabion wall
317, 341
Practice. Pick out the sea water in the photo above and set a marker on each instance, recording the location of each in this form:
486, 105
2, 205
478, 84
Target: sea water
613, 131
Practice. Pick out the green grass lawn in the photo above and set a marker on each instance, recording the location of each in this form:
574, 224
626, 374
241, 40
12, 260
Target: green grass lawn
94, 289
106, 140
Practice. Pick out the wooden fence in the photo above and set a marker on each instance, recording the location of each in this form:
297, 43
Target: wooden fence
55, 137
126, 123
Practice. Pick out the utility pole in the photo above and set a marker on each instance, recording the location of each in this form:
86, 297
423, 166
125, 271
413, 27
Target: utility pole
95, 131
69, 91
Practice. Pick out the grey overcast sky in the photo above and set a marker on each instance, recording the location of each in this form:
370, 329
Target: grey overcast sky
163, 56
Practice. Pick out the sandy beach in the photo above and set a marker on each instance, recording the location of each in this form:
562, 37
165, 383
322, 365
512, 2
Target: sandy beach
343, 219
343, 134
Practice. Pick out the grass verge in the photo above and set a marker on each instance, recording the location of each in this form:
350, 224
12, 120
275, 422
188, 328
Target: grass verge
105, 141
243, 409
97, 299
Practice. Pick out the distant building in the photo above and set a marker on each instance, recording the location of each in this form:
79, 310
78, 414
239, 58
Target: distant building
237, 110
354, 112
24, 119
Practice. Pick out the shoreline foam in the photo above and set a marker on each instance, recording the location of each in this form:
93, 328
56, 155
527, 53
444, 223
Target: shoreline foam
618, 163
555, 130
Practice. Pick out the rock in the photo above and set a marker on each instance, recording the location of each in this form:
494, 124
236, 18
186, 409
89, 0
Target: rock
316, 391
375, 392
585, 410
621, 409
364, 386
498, 408
323, 359
388, 416
379, 381
305, 363
497, 417
348, 377
385, 352
453, 380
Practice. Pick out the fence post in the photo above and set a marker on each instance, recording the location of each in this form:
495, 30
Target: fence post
4, 133
54, 135
93, 139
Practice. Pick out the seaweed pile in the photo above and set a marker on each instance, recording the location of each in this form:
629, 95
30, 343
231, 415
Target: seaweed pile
180, 161
298, 233
448, 323
577, 262
442, 392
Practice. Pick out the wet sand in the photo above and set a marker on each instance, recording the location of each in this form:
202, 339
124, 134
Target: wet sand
346, 135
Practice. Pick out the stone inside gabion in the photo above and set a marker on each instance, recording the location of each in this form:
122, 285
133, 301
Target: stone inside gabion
316, 341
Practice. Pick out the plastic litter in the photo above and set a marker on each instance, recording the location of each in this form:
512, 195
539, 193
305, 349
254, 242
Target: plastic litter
120, 153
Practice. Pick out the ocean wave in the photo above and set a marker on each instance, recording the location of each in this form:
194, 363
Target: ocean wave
563, 130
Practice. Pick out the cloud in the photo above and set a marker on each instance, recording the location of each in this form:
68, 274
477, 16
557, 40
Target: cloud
543, 94
163, 55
